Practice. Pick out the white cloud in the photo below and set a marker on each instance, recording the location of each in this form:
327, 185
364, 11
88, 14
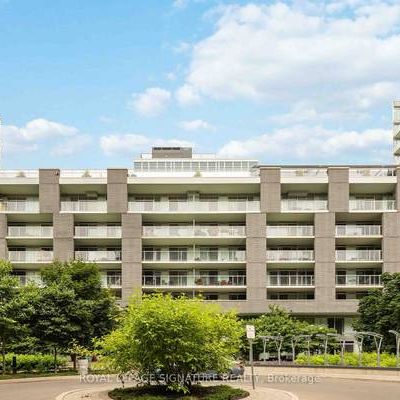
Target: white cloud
180, 4
72, 146
280, 53
131, 144
187, 95
196, 125
312, 145
151, 102
28, 137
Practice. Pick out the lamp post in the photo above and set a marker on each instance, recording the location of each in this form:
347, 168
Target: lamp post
307, 339
397, 335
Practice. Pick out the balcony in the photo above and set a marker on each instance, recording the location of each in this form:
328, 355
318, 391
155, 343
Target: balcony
98, 255
184, 255
19, 173
193, 206
290, 280
290, 230
371, 205
99, 206
358, 280
19, 206
194, 231
304, 205
360, 174
358, 230
30, 231
30, 256
112, 281
24, 280
290, 255
194, 281
359, 255
97, 231
307, 172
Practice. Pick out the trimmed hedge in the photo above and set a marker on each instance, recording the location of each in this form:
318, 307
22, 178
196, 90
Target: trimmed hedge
350, 359
34, 362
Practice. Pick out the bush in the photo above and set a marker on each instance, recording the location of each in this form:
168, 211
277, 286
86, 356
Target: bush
220, 392
350, 359
34, 362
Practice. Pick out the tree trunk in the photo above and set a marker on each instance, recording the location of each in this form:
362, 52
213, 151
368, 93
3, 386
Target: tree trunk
55, 359
73, 356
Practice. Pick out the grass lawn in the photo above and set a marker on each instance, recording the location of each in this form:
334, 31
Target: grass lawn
37, 375
221, 392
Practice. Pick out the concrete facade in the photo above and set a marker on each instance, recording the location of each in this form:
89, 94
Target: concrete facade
63, 231
270, 189
117, 190
49, 190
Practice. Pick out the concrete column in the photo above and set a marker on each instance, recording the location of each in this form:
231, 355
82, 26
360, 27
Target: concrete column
131, 255
397, 190
63, 233
3, 235
390, 241
324, 248
270, 189
256, 257
117, 190
339, 189
49, 190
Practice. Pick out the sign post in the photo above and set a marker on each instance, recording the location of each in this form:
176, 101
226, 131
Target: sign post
251, 335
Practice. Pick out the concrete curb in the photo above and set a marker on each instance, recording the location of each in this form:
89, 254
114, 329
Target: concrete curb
261, 393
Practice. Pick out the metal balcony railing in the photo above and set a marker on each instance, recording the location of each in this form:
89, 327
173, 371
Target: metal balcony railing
359, 255
371, 205
308, 172
194, 280
290, 230
30, 255
32, 231
102, 231
112, 281
290, 280
303, 205
358, 280
194, 256
194, 206
98, 255
358, 230
194, 231
290, 255
84, 206
29, 206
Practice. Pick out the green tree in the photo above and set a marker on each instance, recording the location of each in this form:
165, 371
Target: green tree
178, 336
278, 321
71, 308
379, 310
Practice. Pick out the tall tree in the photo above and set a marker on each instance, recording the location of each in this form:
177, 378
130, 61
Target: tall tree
380, 310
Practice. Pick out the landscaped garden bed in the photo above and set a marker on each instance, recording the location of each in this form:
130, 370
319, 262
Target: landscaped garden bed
160, 392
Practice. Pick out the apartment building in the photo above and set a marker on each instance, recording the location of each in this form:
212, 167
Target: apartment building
313, 239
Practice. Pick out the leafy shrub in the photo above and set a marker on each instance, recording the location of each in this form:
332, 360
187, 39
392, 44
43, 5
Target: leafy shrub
34, 362
350, 359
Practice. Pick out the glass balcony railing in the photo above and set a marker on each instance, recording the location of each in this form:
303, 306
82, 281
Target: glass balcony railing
101, 231
194, 280
371, 205
358, 280
290, 255
290, 230
31, 231
28, 206
19, 173
98, 255
359, 255
24, 280
112, 281
30, 255
371, 172
290, 280
84, 206
194, 256
306, 172
194, 206
303, 205
194, 231
358, 230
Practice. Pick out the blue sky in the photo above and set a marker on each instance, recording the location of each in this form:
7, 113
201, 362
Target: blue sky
94, 83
